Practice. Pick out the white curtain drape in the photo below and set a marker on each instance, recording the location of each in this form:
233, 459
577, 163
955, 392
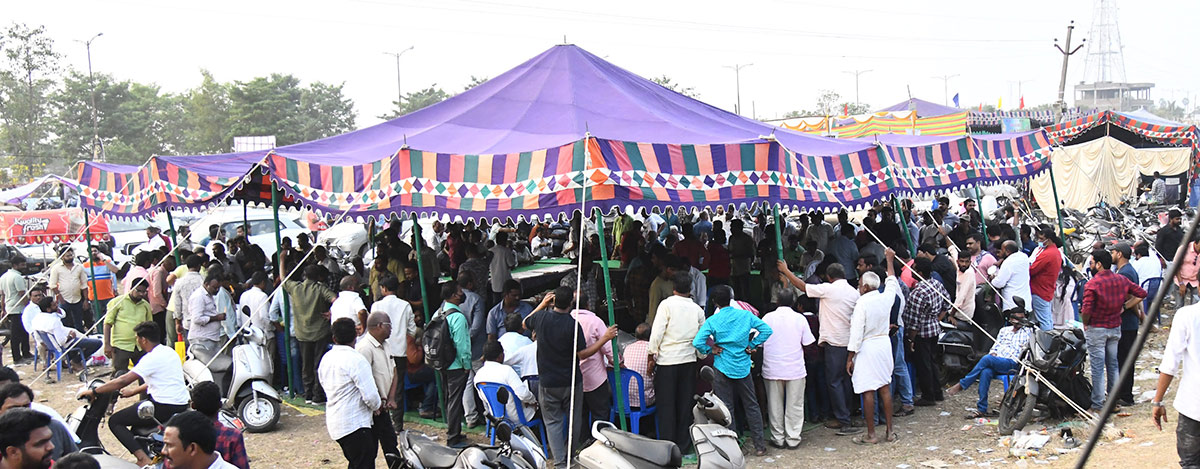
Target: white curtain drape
1103, 169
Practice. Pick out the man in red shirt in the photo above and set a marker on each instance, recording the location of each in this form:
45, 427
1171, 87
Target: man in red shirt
1105, 296
691, 248
1043, 275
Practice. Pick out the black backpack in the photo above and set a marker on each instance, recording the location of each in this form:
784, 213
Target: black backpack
437, 342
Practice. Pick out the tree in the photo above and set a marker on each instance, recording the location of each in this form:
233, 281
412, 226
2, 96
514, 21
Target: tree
325, 111
25, 83
278, 106
666, 82
135, 120
826, 101
206, 127
416, 101
475, 81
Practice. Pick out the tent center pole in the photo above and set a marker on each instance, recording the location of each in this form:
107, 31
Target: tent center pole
287, 307
612, 319
418, 244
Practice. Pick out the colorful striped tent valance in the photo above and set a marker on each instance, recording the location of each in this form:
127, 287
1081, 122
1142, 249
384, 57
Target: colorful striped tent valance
943, 164
119, 191
1172, 135
947, 125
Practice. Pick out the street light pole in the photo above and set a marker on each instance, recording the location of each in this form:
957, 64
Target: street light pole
946, 88
737, 76
399, 92
856, 73
97, 149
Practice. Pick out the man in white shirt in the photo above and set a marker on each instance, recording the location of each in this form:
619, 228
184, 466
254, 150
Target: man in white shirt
1013, 277
784, 371
190, 442
254, 302
524, 360
1000, 360
400, 315
835, 310
673, 359
77, 347
204, 336
383, 370
349, 304
513, 338
495, 371
32, 310
1146, 265
352, 397
1183, 348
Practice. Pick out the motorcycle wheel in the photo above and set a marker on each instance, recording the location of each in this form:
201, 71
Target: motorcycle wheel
260, 414
1016, 408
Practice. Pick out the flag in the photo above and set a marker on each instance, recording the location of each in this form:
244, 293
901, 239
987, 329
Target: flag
999, 104
846, 109
980, 107
955, 99
1022, 103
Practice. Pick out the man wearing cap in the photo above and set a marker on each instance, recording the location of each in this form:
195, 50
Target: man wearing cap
1131, 318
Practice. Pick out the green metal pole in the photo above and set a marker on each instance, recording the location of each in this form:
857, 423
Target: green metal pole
982, 221
174, 239
612, 319
418, 244
246, 217
912, 250
87, 226
778, 233
287, 307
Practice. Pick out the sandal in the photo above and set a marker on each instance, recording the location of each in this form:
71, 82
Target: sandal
893, 437
975, 414
859, 440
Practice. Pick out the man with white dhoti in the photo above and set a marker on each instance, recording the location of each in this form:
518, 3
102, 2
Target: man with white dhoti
870, 358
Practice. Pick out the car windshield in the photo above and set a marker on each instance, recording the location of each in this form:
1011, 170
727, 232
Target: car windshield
115, 226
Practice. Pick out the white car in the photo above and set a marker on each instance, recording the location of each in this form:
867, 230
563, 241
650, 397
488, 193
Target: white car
261, 222
350, 237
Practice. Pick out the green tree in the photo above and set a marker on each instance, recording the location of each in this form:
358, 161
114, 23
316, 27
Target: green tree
475, 81
277, 105
205, 127
135, 120
667, 83
416, 101
325, 111
826, 102
26, 80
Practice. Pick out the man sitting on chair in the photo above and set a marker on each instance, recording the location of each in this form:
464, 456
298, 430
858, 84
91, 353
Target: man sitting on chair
1000, 361
495, 371
49, 322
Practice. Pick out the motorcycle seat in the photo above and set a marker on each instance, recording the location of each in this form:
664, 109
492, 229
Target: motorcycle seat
221, 364
431, 453
656, 452
143, 431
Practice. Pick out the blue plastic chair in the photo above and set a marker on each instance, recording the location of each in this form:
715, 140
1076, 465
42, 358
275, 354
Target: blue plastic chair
635, 414
52, 352
490, 391
1005, 379
1151, 286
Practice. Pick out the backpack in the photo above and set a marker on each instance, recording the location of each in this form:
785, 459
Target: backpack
437, 342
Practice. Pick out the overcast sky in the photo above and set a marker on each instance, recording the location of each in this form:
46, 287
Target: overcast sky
796, 47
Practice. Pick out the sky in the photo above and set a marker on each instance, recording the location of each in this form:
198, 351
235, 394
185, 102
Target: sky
993, 50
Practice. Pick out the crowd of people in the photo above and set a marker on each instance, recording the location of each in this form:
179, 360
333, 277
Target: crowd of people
847, 310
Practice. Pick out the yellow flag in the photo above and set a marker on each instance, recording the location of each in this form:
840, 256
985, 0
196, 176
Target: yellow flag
999, 104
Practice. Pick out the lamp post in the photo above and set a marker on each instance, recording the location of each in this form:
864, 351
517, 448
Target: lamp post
856, 73
946, 88
399, 93
97, 148
737, 74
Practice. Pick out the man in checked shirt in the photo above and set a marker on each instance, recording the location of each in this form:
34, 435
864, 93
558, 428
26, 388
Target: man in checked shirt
1001, 360
1106, 295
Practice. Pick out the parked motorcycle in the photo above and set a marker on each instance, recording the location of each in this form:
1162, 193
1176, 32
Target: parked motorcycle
961, 347
716, 445
1058, 355
85, 423
244, 378
516, 448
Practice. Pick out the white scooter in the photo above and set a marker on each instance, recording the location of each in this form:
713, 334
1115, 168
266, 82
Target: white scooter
516, 448
716, 446
244, 378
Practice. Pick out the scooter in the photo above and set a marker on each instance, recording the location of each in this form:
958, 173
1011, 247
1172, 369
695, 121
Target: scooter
244, 378
960, 347
517, 448
85, 423
716, 445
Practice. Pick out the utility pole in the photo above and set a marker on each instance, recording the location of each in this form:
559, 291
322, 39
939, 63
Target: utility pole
97, 148
1060, 107
856, 73
946, 88
737, 75
399, 92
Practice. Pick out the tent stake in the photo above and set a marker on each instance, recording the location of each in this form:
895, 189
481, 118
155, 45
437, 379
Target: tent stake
287, 307
612, 319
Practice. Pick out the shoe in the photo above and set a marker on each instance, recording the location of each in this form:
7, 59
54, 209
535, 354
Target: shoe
474, 423
904, 411
1124, 402
794, 447
834, 424
924, 403
776, 445
429, 415
858, 423
458, 442
308, 401
760, 452
849, 431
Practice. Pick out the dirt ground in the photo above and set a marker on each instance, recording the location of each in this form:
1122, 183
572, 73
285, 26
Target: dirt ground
933, 437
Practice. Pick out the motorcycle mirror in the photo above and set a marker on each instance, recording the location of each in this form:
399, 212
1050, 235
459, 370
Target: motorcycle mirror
503, 432
707, 374
145, 410
502, 396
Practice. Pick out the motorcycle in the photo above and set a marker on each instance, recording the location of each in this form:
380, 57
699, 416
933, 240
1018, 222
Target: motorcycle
85, 423
960, 347
716, 445
244, 377
517, 448
1058, 356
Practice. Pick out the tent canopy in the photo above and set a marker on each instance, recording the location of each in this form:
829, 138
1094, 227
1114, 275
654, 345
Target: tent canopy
19, 193
924, 108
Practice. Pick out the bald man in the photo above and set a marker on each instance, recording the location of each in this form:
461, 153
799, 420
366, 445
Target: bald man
370, 346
